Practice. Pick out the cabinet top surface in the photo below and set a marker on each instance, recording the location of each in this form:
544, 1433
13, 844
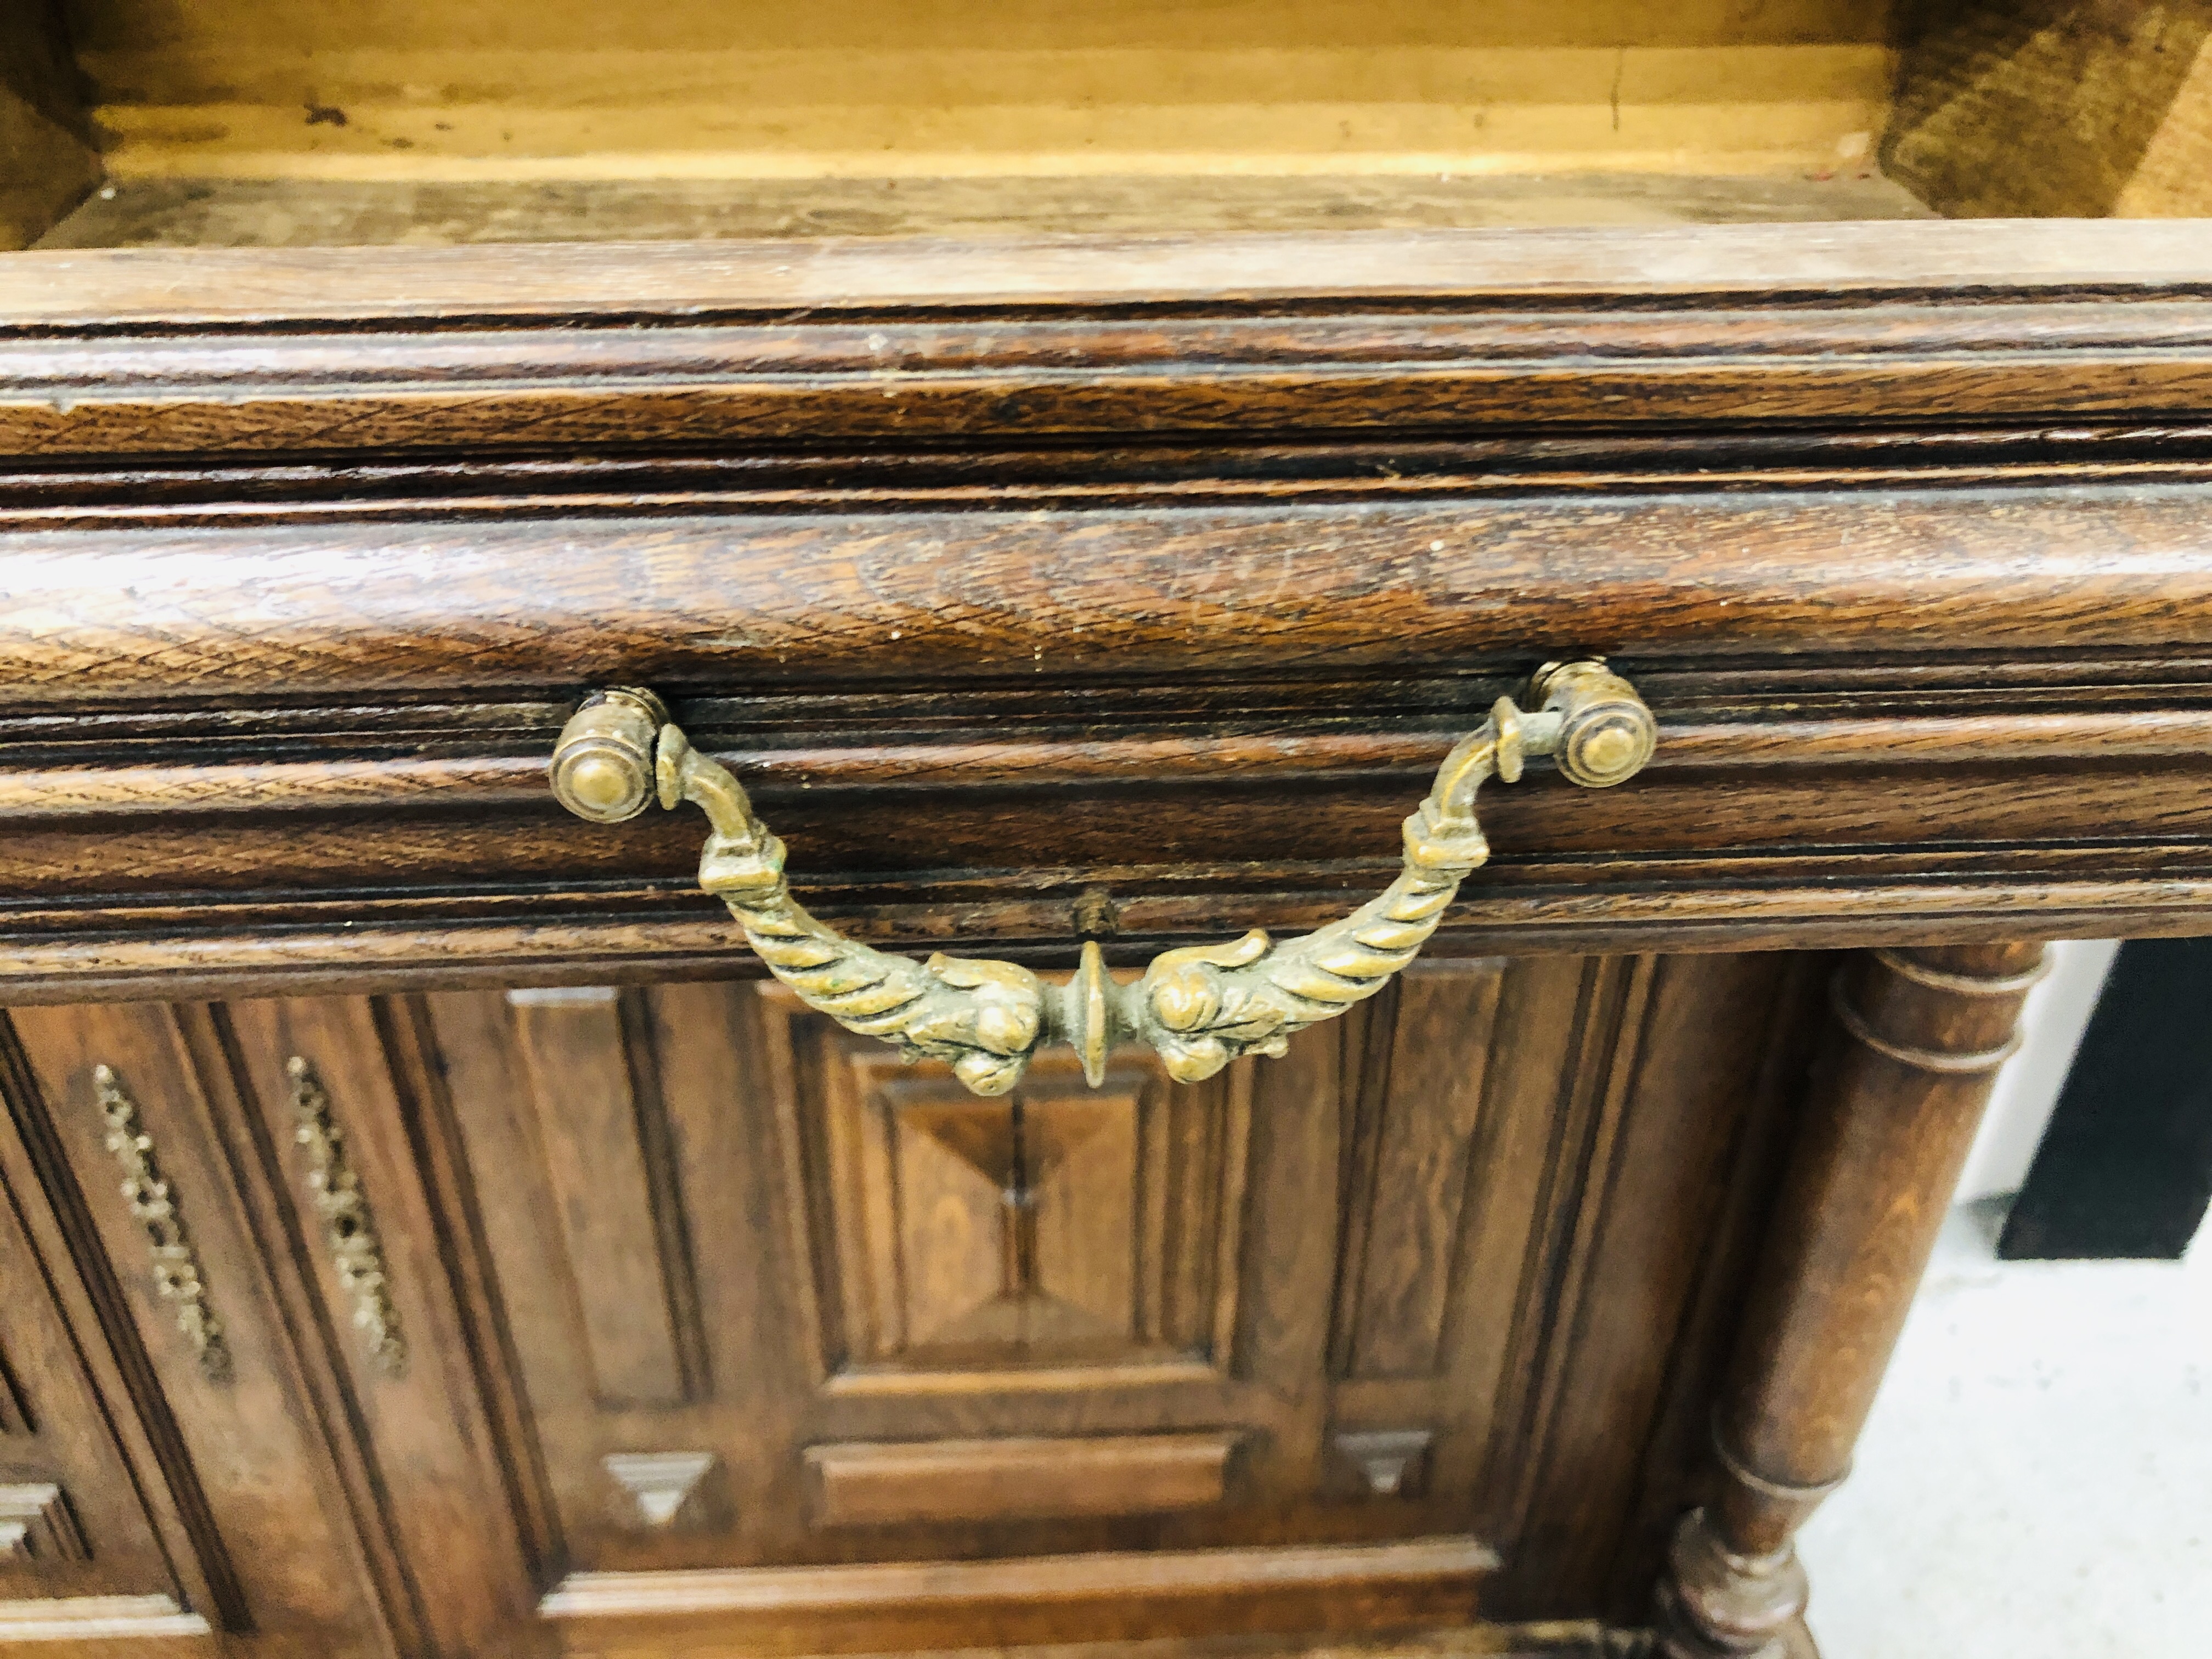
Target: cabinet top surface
66, 290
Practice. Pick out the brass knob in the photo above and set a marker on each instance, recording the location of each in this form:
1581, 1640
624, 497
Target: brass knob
602, 768
1607, 733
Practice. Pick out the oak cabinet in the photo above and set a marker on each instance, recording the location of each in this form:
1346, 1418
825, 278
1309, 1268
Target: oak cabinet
644, 1306
1079, 475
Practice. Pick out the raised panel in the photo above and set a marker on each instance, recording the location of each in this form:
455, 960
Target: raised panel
1014, 1479
1015, 1218
1059, 1224
953, 1302
598, 1461
1670, 1185
601, 1132
1589, 1110
360, 1153
1407, 1181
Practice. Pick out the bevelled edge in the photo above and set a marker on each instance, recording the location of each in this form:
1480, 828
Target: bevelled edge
111, 287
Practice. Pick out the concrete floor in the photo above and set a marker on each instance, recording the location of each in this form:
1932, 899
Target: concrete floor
2036, 1482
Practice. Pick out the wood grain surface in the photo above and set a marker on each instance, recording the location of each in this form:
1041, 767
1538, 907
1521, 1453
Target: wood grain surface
1171, 579
205, 212
1124, 585
1136, 593
1914, 1042
862, 1484
411, 89
107, 290
2112, 97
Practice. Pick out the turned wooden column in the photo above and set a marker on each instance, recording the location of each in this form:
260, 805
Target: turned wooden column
1916, 1038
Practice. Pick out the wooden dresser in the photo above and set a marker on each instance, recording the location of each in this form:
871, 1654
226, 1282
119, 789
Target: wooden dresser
1075, 476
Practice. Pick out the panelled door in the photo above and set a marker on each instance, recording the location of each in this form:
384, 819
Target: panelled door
779, 1298
478, 1321
79, 1550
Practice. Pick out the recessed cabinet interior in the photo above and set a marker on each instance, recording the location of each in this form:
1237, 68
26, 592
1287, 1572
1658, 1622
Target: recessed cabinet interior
236, 123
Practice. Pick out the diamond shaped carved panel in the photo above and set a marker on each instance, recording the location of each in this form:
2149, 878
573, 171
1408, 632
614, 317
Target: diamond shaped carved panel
1059, 1224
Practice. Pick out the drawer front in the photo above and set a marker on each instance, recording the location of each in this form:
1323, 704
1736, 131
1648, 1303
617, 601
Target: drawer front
1172, 569
961, 724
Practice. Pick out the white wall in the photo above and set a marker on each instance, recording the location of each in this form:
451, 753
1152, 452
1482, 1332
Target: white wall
2058, 1011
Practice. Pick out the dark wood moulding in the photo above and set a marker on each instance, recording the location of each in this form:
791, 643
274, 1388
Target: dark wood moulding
774, 384
409, 782
189, 954
1167, 566
190, 355
1144, 592
1807, 805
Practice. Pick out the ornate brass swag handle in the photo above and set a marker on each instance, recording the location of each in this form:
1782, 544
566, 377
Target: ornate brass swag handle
1201, 1006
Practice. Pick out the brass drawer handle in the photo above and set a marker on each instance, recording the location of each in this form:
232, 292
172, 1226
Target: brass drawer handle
1201, 1006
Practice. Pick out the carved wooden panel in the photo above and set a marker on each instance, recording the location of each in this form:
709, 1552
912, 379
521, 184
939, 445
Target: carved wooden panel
1385, 1462
309, 1488
362, 1157
71, 1520
568, 1111
180, 1280
685, 1279
911, 1312
1057, 1224
1412, 1127
102, 1462
38, 1527
602, 1140
661, 1490
1015, 1478
1665, 1140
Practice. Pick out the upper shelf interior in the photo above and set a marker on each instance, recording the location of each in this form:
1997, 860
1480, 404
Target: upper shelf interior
290, 122
502, 89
